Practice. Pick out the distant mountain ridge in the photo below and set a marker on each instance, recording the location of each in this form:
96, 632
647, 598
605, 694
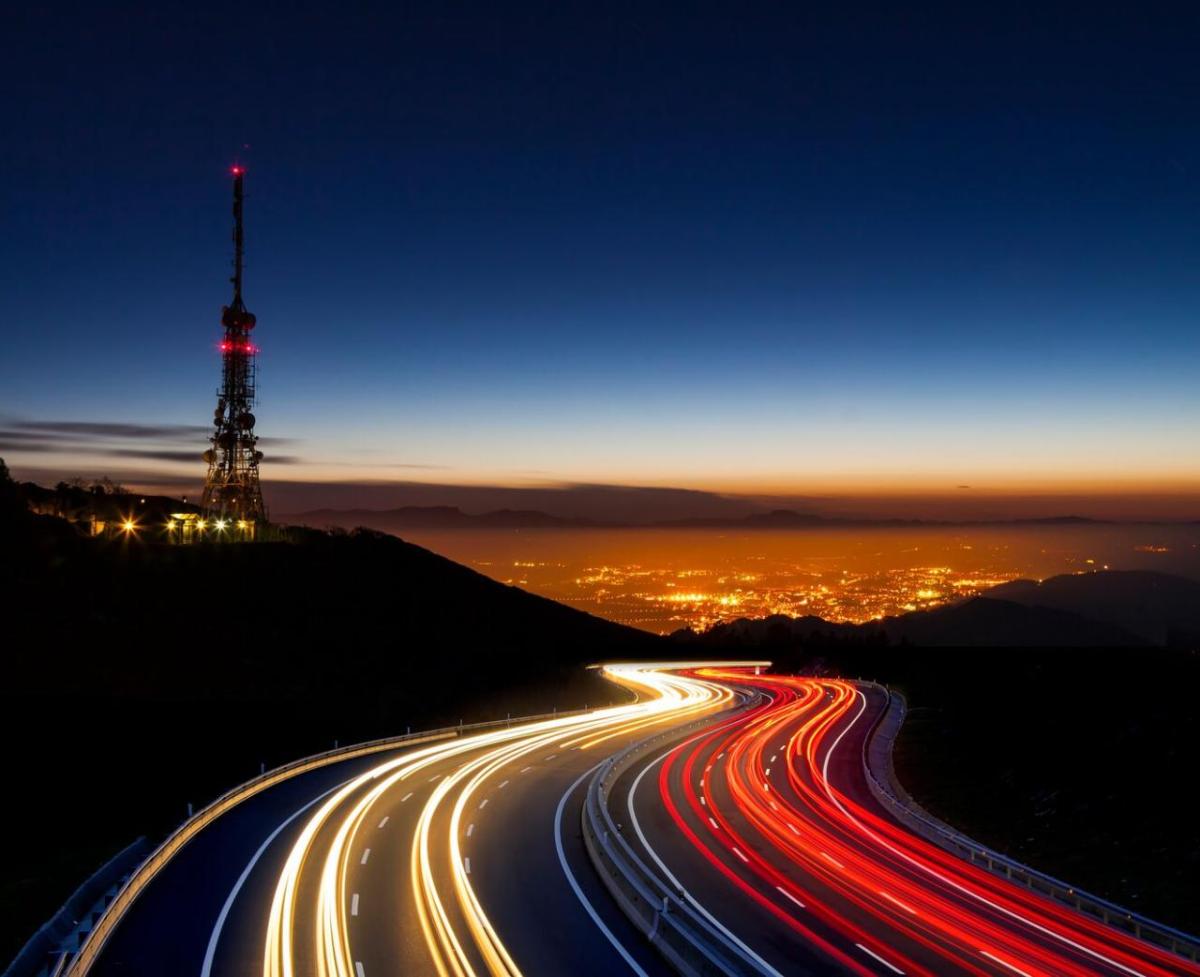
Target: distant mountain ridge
453, 517
434, 517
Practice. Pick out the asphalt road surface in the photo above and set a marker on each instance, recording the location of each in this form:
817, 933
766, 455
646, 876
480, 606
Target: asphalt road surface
463, 856
458, 857
767, 824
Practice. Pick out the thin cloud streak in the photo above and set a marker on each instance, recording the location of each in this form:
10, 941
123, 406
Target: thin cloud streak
189, 456
109, 430
76, 441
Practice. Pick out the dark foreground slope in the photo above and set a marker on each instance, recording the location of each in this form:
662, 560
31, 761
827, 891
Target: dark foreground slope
1080, 762
140, 677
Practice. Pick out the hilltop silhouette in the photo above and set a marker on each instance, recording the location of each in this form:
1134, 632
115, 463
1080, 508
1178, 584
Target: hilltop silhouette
1161, 608
1106, 608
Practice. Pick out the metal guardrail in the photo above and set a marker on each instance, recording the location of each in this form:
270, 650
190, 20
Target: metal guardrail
687, 939
887, 789
94, 941
50, 948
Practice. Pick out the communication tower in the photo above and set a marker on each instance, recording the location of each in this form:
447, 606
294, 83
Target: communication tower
232, 501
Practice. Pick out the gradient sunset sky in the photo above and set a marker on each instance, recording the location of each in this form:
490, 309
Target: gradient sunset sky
810, 252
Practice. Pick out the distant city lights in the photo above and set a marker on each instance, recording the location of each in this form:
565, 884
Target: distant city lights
652, 597
664, 581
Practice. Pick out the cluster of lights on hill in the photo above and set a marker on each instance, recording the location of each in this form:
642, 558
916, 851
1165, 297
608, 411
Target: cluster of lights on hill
131, 527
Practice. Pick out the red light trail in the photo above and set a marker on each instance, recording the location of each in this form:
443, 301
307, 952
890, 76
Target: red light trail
783, 814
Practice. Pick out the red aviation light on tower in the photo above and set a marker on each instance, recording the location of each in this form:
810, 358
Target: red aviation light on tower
237, 170
231, 346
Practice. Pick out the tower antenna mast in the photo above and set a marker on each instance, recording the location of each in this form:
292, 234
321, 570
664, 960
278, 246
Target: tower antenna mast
239, 240
232, 499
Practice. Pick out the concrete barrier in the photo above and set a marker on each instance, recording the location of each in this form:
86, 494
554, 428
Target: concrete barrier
687, 939
887, 789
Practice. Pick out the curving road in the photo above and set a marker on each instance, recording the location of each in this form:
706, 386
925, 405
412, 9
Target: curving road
463, 856
454, 858
766, 823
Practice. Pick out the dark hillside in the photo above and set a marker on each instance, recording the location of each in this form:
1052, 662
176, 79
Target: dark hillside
140, 676
981, 622
1080, 762
1159, 607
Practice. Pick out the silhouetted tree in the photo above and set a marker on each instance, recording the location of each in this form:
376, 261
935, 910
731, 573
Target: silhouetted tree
103, 486
10, 493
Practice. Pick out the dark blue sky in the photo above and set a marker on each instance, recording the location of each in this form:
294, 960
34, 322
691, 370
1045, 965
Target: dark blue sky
762, 248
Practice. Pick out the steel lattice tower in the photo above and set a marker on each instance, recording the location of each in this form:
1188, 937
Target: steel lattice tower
232, 497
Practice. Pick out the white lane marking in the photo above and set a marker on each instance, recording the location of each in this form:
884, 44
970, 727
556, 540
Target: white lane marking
833, 796
768, 772
385, 820
551, 757
1004, 963
405, 797
890, 966
703, 801
467, 864
716, 827
784, 892
902, 905
748, 953
737, 851
436, 776
502, 785
470, 829
354, 904
773, 758
562, 860
483, 803
358, 969
526, 769
215, 936
826, 854
366, 855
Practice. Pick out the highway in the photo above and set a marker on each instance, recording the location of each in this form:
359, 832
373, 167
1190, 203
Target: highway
457, 857
767, 825
463, 856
